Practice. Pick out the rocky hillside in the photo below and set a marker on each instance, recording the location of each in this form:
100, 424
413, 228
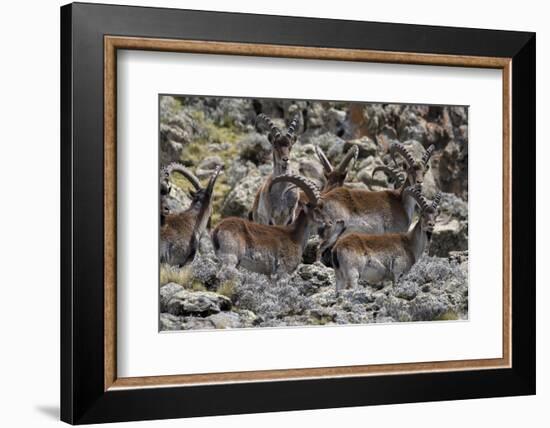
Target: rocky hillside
204, 132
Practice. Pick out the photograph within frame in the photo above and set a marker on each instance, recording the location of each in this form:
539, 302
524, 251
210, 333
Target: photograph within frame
217, 156
356, 371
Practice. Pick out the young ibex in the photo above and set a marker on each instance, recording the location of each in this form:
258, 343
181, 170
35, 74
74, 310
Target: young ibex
180, 232
276, 204
270, 250
376, 258
335, 177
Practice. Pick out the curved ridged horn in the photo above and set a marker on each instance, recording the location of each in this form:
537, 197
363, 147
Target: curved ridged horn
178, 167
428, 154
273, 130
303, 183
351, 154
323, 159
414, 191
213, 178
291, 130
392, 173
398, 148
436, 201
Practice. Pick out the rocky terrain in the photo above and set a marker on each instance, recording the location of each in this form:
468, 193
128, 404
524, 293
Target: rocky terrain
202, 133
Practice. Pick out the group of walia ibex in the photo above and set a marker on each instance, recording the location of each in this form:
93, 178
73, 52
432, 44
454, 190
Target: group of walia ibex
366, 235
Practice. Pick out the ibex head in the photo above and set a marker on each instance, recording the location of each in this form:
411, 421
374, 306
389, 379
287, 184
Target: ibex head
280, 142
199, 194
313, 208
204, 194
415, 170
336, 176
428, 211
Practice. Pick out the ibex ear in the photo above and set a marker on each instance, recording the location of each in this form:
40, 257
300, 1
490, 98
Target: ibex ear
270, 137
192, 193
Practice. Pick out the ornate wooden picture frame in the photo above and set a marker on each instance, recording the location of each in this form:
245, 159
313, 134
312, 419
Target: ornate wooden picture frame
91, 390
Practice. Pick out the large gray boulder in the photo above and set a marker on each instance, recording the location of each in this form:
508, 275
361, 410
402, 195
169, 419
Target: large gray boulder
197, 303
367, 147
451, 228
177, 200
313, 277
240, 199
255, 148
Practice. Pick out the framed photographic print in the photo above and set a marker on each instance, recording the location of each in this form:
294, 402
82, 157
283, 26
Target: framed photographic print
288, 213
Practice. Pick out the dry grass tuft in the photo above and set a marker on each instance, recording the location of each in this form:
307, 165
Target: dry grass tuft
175, 274
227, 289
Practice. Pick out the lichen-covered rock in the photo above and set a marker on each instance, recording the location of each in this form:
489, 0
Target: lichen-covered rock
313, 170
311, 251
177, 129
177, 200
367, 147
451, 228
314, 277
197, 303
238, 169
255, 148
407, 291
206, 267
170, 322
329, 142
449, 236
364, 175
453, 169
232, 112
240, 199
166, 293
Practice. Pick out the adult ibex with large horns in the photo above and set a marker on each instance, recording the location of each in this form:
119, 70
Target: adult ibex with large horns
376, 258
414, 170
276, 204
385, 211
269, 249
382, 211
180, 232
